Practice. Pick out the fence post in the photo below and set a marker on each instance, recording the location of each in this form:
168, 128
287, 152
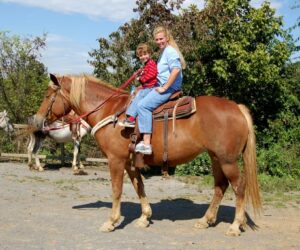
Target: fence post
62, 153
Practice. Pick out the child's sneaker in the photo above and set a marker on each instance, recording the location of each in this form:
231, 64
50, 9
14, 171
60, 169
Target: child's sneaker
143, 148
127, 123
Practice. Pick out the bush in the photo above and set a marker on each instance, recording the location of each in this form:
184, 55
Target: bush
279, 149
201, 165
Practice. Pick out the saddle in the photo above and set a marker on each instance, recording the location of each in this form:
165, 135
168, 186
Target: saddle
176, 107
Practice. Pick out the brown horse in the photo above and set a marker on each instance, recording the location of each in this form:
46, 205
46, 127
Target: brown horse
219, 126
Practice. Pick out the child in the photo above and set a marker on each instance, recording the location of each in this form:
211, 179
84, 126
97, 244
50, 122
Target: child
148, 81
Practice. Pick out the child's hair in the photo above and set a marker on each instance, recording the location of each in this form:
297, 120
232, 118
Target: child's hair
142, 49
171, 41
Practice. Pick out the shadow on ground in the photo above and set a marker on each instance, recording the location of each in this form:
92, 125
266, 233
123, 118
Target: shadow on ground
173, 210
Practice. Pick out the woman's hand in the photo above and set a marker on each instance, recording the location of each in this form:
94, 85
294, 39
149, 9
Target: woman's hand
161, 89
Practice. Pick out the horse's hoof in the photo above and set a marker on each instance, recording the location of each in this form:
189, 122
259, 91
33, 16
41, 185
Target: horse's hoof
41, 169
107, 227
142, 223
233, 232
201, 224
80, 172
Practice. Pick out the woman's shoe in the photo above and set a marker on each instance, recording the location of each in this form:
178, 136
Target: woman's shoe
143, 148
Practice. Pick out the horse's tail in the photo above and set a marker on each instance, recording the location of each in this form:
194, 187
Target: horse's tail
249, 157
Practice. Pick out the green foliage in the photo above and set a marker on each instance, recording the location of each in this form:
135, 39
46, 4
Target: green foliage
22, 77
279, 147
242, 51
201, 165
279, 151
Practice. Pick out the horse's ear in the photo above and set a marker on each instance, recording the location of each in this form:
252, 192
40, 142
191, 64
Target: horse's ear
54, 79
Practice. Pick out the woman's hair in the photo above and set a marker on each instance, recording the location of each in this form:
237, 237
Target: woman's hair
171, 42
143, 48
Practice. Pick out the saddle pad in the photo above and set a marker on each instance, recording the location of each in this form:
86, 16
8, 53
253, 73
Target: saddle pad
184, 107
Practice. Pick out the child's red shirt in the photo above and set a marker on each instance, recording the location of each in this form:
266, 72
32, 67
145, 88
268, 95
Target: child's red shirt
149, 74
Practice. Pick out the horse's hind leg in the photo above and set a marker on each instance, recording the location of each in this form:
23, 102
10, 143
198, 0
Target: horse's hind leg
237, 182
137, 181
220, 186
116, 167
75, 155
32, 150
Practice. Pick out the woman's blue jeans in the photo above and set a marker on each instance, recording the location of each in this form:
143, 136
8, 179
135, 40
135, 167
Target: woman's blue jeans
146, 101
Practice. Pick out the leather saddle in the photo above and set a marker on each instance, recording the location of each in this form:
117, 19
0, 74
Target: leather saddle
178, 105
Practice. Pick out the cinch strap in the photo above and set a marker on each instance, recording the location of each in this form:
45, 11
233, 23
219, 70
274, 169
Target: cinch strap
102, 123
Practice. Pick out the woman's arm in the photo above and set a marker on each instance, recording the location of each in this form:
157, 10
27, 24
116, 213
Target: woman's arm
174, 73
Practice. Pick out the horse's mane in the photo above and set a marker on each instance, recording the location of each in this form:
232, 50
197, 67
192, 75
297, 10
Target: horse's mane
77, 92
78, 84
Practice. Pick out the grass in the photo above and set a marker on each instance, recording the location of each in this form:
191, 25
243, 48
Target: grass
275, 191
278, 184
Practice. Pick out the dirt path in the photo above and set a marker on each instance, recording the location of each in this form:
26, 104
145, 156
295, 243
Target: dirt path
57, 210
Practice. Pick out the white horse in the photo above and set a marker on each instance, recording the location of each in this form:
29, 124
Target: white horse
5, 123
61, 132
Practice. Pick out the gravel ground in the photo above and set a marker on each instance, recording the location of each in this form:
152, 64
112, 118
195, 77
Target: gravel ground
58, 210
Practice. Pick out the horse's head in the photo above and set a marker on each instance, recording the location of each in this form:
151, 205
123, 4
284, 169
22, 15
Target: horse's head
5, 123
55, 103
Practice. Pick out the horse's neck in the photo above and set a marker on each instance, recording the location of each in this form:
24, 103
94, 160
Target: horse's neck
105, 99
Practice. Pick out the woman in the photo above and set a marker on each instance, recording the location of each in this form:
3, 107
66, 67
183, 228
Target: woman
169, 66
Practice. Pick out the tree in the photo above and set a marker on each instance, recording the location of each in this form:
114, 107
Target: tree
297, 24
243, 53
22, 76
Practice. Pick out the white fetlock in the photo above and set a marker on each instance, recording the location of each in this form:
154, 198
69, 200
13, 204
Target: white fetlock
201, 223
41, 169
142, 222
107, 227
233, 230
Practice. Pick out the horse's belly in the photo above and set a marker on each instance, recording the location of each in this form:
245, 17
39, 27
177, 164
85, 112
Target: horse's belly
61, 135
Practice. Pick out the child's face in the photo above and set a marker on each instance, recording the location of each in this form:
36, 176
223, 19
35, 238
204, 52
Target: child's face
144, 57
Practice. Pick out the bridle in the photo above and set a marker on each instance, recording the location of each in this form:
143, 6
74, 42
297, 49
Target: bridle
57, 89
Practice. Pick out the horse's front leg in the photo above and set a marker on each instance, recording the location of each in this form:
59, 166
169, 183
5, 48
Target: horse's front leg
116, 167
137, 181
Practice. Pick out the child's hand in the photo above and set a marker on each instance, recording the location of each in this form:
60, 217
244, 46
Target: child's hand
161, 89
